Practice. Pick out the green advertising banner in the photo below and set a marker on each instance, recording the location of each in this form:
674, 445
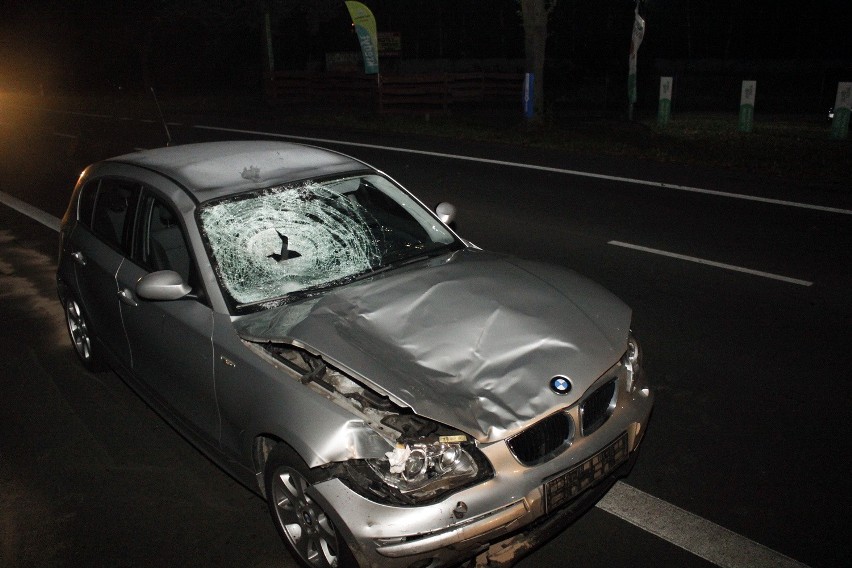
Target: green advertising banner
665, 110
365, 27
747, 97
842, 104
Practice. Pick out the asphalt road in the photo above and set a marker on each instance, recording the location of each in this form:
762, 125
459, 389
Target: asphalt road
749, 431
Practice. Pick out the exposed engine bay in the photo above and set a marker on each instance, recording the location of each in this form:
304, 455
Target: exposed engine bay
424, 458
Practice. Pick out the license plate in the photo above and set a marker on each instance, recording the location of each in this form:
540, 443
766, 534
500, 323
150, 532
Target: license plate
567, 485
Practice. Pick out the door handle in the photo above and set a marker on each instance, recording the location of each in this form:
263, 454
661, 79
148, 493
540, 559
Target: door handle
126, 296
78, 256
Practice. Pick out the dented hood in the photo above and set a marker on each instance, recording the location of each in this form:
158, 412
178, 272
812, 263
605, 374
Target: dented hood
470, 339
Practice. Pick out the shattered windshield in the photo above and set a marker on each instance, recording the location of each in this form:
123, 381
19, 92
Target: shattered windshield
269, 244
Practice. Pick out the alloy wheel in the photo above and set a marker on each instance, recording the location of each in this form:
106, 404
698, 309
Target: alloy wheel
306, 526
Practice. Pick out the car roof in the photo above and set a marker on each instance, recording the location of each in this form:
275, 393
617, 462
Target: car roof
216, 169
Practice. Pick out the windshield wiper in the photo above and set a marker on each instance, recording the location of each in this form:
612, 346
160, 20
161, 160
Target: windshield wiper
406, 260
299, 294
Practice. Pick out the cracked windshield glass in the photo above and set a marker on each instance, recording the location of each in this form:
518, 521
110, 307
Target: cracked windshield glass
269, 244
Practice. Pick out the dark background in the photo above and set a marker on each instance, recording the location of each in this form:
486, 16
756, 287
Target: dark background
751, 416
194, 46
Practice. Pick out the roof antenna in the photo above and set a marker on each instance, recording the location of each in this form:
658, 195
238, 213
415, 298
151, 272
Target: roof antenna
162, 118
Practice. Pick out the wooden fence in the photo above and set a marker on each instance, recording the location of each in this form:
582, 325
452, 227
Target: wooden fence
415, 94
302, 87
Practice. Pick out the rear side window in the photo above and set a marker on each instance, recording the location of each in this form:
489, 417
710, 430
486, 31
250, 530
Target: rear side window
113, 215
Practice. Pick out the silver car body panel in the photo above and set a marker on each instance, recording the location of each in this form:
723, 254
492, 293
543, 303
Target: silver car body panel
172, 352
470, 339
217, 169
94, 275
260, 397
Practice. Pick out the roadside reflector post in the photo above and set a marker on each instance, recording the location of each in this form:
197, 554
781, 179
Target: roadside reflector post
747, 106
664, 112
842, 104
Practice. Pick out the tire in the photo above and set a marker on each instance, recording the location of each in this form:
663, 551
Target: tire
81, 336
306, 529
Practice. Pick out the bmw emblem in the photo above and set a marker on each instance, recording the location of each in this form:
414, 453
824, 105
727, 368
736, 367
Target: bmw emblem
560, 385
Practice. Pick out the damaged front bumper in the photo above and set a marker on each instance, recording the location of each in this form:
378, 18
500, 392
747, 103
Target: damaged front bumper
503, 518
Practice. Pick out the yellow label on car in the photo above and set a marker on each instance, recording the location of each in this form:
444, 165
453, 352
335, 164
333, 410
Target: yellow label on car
452, 439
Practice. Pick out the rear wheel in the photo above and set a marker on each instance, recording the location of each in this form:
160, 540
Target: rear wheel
302, 523
81, 335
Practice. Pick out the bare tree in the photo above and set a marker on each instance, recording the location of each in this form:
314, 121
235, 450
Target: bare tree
535, 14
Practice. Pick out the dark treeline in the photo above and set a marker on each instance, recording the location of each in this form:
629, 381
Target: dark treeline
195, 44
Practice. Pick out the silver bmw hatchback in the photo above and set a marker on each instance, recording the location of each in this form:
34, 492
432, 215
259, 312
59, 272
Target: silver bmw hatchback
398, 396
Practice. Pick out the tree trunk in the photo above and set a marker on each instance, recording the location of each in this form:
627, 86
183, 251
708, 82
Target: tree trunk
535, 14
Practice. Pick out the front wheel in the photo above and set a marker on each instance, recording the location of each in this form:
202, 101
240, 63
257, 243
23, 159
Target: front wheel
302, 523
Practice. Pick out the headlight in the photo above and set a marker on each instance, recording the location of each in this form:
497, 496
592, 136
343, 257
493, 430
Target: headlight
420, 472
632, 355
632, 361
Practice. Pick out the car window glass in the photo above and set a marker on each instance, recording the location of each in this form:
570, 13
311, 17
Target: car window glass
271, 243
112, 211
87, 202
163, 245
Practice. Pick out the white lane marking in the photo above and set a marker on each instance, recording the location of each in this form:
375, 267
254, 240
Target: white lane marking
63, 135
690, 532
579, 173
712, 263
32, 212
681, 528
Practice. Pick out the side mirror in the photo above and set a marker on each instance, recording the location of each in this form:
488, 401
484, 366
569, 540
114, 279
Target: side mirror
446, 212
162, 285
